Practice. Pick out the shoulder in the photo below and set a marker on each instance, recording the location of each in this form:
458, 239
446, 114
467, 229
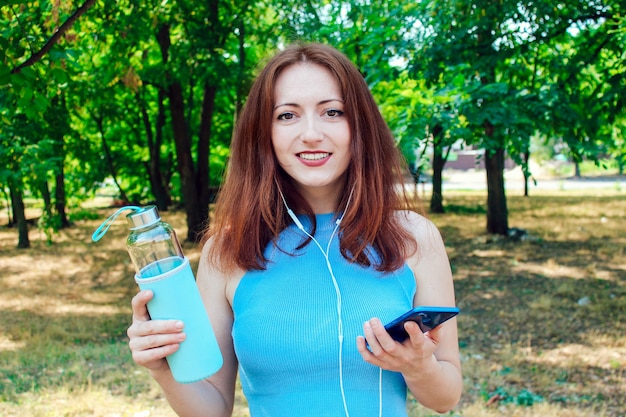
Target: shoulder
215, 277
426, 234
422, 228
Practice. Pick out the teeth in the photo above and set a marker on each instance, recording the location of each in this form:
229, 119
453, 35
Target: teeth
314, 156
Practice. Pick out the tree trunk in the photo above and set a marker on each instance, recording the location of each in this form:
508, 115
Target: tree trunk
185, 163
526, 173
13, 222
46, 197
497, 213
184, 159
204, 142
19, 214
165, 175
60, 118
436, 199
154, 139
108, 157
59, 199
7, 199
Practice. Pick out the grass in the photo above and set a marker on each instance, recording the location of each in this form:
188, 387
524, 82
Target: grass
542, 329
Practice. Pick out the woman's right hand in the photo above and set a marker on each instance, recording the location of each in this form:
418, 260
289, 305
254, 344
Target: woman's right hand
152, 340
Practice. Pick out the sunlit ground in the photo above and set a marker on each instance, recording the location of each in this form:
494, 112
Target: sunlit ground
542, 327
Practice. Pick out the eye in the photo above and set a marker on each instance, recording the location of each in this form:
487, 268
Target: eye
334, 113
285, 116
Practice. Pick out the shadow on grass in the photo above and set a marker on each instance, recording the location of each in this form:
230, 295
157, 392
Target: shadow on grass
502, 294
545, 317
542, 318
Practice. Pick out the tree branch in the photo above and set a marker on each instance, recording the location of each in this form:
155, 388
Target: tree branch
55, 37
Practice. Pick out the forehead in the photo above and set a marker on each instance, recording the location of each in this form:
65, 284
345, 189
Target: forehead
306, 81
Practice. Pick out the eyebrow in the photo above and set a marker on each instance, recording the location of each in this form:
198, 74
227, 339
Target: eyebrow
297, 105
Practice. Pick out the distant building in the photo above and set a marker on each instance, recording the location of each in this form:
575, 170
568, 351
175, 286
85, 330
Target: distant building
466, 159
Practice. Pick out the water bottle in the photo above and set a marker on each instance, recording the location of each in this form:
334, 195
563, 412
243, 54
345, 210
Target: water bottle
162, 267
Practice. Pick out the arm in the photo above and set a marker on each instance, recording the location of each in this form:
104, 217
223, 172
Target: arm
152, 340
429, 362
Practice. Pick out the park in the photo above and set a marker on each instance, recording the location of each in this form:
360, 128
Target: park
542, 328
105, 104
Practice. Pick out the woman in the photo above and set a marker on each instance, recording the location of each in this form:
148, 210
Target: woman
311, 250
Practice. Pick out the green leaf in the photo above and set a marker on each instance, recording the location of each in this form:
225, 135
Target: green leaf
5, 74
11, 2
59, 75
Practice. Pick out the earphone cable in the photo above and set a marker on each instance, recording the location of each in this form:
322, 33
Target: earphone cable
325, 254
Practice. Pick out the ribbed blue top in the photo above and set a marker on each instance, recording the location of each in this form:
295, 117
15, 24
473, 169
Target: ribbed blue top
286, 333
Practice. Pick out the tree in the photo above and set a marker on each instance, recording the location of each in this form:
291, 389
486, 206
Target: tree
193, 40
590, 85
490, 43
27, 90
147, 93
422, 119
148, 88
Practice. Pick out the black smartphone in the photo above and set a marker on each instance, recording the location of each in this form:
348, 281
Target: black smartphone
426, 317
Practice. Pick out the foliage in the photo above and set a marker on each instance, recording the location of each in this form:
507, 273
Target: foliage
140, 92
528, 70
504, 396
145, 94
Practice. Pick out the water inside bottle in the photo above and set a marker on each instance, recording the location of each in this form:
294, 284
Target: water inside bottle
160, 267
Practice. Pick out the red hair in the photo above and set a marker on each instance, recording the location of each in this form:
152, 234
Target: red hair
249, 211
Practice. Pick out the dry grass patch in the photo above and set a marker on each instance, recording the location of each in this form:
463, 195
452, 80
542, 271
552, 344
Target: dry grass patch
543, 319
541, 330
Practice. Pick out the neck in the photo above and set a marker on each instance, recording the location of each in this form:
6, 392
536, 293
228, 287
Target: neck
324, 199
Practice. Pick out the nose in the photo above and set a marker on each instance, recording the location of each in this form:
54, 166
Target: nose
312, 131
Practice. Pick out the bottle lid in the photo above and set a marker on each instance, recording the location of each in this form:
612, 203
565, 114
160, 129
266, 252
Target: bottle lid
145, 217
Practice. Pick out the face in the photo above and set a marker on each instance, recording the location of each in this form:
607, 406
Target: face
310, 132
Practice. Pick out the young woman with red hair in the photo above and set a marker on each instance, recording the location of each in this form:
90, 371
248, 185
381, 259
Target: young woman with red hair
314, 246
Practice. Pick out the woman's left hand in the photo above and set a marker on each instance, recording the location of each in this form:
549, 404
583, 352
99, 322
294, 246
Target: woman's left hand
410, 356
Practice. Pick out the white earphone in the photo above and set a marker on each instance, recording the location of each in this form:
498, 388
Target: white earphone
325, 253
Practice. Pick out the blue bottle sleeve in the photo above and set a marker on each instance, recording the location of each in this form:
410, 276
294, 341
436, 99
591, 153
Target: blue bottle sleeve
176, 296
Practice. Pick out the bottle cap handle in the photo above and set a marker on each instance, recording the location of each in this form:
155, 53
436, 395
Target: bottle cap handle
104, 227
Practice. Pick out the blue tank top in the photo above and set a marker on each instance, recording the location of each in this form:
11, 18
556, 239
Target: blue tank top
285, 330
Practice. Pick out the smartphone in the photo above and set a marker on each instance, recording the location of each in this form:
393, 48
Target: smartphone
426, 317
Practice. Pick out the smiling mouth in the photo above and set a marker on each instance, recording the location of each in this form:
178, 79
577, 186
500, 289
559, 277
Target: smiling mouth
316, 156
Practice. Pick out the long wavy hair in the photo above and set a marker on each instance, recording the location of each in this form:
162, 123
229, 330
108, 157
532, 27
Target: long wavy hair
249, 211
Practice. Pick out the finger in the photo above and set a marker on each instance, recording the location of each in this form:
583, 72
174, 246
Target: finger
436, 333
381, 343
366, 354
139, 305
370, 337
154, 327
415, 333
424, 344
155, 341
361, 346
153, 358
386, 342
